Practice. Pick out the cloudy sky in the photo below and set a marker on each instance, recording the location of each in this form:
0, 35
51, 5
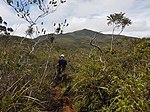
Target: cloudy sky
89, 14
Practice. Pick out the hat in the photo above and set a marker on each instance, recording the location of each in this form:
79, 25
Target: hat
61, 55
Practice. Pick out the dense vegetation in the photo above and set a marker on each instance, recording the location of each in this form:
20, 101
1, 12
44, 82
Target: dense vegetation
120, 82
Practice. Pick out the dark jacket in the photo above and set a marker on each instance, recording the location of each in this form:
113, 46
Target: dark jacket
62, 62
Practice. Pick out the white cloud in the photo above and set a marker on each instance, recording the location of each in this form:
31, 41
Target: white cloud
95, 23
90, 14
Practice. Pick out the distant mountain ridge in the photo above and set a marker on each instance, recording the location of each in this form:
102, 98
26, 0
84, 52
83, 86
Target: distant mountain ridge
83, 32
88, 32
76, 39
81, 38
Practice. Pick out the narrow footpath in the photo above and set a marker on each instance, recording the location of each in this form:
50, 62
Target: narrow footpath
65, 99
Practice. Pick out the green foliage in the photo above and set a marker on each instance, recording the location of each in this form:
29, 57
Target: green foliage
118, 20
26, 77
122, 86
23, 77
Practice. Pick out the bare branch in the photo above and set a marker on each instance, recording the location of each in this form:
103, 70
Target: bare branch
44, 74
94, 45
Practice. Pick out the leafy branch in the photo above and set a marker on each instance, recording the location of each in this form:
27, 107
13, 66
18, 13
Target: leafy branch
3, 27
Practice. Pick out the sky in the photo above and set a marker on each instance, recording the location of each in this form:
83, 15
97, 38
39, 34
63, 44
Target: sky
87, 14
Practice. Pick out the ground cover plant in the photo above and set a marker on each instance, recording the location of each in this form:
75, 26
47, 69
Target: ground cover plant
121, 84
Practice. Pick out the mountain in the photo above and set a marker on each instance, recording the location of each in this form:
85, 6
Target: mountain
76, 39
84, 32
81, 38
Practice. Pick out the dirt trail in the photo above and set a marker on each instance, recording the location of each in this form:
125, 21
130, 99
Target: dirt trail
67, 105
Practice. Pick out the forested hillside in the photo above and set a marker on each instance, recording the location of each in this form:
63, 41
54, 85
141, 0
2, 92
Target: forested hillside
95, 80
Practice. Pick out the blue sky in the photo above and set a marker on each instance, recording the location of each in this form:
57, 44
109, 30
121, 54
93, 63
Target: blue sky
90, 14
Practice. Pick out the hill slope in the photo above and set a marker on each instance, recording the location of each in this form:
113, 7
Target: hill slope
76, 39
81, 38
29, 81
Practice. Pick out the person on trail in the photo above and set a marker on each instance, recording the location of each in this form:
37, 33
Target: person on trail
61, 64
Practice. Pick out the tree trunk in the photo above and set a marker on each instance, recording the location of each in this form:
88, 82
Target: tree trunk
112, 38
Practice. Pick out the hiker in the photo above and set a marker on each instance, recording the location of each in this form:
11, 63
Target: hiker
61, 64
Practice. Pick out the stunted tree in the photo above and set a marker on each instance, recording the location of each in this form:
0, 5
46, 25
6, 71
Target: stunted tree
118, 21
43, 8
